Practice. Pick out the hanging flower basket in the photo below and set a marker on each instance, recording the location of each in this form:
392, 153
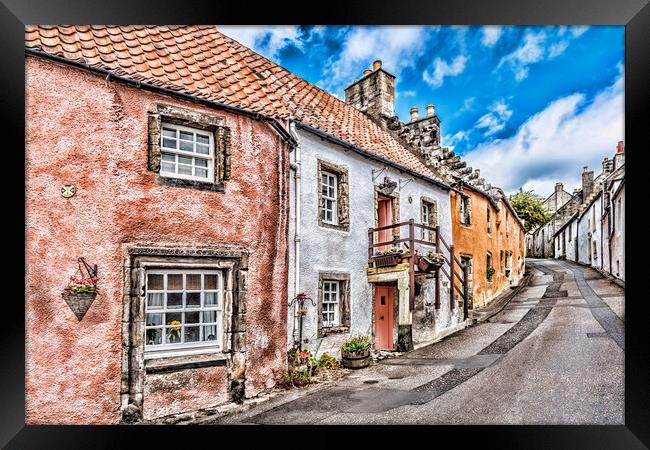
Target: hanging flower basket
81, 290
388, 186
391, 257
79, 302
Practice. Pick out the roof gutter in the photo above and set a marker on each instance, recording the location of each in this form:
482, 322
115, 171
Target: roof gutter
375, 157
286, 136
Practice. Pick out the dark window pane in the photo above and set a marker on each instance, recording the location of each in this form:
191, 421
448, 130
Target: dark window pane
210, 298
193, 300
191, 334
174, 300
154, 336
168, 132
187, 135
192, 317
203, 139
169, 143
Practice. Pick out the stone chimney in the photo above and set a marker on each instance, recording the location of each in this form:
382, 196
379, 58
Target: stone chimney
430, 110
414, 113
559, 187
607, 166
374, 93
587, 183
619, 157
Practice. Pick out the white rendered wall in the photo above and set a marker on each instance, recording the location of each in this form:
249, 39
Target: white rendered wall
330, 250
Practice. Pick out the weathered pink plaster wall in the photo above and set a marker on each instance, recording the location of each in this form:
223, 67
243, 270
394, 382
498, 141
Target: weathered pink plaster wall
175, 392
86, 131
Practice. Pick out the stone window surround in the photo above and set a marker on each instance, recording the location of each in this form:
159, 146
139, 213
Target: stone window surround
190, 118
343, 195
234, 264
344, 303
467, 201
433, 207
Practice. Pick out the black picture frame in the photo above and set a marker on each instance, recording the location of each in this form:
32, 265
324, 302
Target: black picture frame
634, 14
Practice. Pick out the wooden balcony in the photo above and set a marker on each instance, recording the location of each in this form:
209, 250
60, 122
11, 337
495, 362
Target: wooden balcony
414, 249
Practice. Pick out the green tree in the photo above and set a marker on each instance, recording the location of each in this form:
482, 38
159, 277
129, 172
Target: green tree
530, 209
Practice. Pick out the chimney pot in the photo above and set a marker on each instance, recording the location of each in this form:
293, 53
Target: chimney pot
414, 114
367, 72
430, 110
585, 169
376, 65
620, 148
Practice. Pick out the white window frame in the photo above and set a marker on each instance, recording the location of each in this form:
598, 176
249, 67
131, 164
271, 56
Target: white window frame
336, 305
334, 179
180, 349
186, 153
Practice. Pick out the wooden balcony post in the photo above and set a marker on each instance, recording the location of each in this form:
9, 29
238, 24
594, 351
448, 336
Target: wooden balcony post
465, 290
370, 245
452, 295
437, 301
411, 266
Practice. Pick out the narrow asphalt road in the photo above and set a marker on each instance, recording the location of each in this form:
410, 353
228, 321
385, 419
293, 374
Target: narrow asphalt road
553, 355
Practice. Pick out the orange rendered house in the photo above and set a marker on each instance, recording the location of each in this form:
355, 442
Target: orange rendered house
487, 233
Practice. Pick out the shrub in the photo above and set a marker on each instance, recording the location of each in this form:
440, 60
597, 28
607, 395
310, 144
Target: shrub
357, 344
327, 362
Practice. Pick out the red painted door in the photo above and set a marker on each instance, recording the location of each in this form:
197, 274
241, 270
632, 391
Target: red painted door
384, 317
384, 218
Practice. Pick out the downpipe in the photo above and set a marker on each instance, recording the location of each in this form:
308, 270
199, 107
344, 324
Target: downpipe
296, 166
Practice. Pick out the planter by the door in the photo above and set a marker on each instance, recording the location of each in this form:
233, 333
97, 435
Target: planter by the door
427, 265
79, 302
355, 360
387, 260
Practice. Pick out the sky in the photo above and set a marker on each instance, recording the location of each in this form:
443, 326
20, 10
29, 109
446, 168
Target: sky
528, 106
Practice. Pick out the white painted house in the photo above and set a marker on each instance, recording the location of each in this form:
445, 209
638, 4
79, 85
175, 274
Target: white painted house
341, 160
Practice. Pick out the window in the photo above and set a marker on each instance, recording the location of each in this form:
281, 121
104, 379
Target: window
188, 148
501, 265
183, 310
570, 226
429, 217
488, 219
333, 303
328, 193
593, 218
333, 196
330, 312
186, 153
488, 266
507, 224
465, 210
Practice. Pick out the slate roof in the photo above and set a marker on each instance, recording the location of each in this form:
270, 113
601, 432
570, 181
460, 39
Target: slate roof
202, 62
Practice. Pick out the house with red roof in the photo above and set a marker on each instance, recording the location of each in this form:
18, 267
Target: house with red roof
193, 209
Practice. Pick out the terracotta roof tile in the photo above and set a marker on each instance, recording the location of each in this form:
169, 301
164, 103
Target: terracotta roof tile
201, 61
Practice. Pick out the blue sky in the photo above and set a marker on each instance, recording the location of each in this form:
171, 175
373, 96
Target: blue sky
529, 106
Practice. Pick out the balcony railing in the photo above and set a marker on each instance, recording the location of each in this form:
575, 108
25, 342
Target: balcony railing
452, 268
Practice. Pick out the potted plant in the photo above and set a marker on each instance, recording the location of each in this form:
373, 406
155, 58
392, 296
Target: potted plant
80, 293
431, 261
390, 257
490, 273
388, 186
355, 352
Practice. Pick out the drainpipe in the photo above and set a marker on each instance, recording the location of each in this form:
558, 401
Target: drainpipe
296, 240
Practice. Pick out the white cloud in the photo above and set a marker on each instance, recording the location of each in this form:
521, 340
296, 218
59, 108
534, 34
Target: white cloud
396, 46
496, 119
555, 143
459, 136
442, 69
491, 35
408, 93
266, 40
540, 46
531, 51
